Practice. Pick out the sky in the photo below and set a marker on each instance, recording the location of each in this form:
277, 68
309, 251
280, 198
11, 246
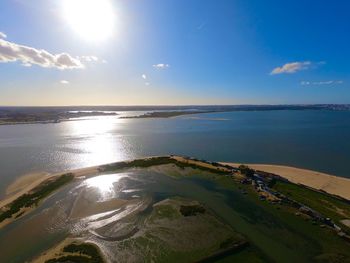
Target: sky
174, 52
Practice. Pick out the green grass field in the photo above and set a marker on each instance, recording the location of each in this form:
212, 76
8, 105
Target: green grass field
329, 206
279, 223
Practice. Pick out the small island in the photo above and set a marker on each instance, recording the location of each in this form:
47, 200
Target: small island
165, 114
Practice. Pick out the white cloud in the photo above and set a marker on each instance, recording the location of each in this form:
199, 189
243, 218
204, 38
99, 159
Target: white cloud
64, 82
291, 67
3, 35
92, 59
89, 58
161, 66
12, 52
147, 83
28, 65
328, 82
144, 76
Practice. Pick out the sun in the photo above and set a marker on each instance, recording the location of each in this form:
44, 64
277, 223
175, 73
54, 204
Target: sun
93, 20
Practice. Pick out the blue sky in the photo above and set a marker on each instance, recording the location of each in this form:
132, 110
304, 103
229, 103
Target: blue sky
164, 52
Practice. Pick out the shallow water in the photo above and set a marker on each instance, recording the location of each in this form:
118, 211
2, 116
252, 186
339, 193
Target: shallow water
51, 222
318, 140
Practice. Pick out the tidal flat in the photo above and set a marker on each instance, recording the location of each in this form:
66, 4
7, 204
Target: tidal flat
171, 211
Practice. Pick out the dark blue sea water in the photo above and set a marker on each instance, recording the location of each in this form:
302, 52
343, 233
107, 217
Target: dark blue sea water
313, 139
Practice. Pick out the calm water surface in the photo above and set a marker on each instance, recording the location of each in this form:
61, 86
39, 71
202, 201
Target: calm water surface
318, 140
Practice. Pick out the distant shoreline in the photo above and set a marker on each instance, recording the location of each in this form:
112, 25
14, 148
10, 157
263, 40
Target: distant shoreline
47, 122
18, 118
166, 114
43, 115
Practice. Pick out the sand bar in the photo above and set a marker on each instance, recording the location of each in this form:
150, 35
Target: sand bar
23, 182
329, 183
14, 191
20, 190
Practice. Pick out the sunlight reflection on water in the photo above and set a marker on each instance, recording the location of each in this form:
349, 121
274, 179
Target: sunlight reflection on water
99, 141
105, 184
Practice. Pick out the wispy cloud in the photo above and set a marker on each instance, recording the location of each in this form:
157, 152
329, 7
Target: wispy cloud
89, 58
3, 35
28, 56
161, 66
291, 67
64, 82
328, 82
145, 78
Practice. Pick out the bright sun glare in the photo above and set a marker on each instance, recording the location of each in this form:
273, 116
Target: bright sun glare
93, 20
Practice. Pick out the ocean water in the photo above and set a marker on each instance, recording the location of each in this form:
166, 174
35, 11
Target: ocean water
317, 140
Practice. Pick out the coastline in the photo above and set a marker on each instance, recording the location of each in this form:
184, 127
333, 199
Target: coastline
43, 178
167, 114
81, 172
51, 121
330, 184
229, 175
337, 186
4, 203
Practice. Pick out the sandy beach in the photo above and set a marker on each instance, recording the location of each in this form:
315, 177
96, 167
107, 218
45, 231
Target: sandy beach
22, 186
329, 183
56, 251
27, 183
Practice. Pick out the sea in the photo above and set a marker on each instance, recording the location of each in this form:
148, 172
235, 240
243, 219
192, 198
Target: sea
312, 139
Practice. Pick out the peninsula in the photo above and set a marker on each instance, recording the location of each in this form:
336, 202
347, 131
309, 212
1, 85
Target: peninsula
266, 188
9, 117
165, 114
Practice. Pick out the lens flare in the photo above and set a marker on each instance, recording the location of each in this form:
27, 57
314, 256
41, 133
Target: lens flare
93, 20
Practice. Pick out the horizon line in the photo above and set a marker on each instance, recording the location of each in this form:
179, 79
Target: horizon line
175, 105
